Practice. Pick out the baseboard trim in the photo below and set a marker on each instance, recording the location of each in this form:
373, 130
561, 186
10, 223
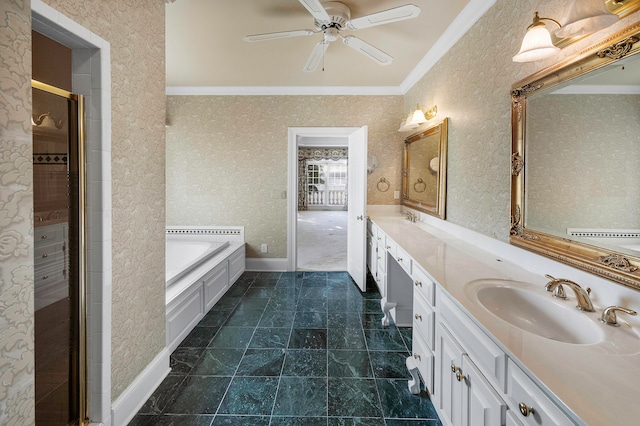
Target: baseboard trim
267, 265
138, 392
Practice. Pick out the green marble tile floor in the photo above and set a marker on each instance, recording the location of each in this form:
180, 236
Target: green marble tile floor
291, 348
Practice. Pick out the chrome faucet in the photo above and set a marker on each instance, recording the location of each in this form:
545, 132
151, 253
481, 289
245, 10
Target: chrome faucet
582, 295
411, 216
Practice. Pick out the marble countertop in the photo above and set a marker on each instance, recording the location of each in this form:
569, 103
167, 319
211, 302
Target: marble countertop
598, 382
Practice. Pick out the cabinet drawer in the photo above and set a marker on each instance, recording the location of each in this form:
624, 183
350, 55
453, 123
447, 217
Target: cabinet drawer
424, 360
424, 320
423, 284
485, 353
403, 259
522, 390
391, 247
52, 233
380, 236
49, 253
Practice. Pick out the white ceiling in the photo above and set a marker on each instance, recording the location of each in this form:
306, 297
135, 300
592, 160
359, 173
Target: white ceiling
204, 45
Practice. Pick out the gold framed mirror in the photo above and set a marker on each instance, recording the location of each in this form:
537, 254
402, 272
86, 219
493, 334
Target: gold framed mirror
424, 176
575, 187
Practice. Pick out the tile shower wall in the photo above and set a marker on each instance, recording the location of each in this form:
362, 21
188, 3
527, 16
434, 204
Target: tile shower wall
471, 84
227, 157
135, 31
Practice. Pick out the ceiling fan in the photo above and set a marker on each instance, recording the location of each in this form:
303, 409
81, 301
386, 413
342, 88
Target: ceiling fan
333, 17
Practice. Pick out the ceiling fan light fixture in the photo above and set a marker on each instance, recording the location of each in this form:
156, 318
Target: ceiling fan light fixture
586, 17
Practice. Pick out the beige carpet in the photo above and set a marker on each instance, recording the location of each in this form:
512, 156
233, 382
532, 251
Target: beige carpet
322, 240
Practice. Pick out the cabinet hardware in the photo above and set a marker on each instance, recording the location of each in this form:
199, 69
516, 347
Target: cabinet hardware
418, 284
458, 371
524, 410
459, 376
416, 356
359, 217
454, 368
388, 247
44, 256
418, 317
379, 238
399, 259
45, 277
44, 237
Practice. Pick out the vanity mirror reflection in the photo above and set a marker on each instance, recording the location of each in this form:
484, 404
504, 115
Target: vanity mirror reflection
424, 180
575, 193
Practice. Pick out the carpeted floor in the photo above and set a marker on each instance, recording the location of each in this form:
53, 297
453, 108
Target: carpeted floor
322, 240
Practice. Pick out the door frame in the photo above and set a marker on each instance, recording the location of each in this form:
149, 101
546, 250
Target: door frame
292, 185
91, 57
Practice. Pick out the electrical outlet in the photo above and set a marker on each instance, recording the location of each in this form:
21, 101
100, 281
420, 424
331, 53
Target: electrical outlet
396, 195
263, 248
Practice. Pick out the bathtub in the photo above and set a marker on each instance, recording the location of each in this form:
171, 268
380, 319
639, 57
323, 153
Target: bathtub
182, 256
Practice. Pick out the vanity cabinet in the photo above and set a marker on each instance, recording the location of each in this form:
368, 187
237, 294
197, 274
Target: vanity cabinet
471, 379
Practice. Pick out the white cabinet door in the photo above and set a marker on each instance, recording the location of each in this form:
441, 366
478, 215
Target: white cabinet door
356, 206
447, 389
481, 404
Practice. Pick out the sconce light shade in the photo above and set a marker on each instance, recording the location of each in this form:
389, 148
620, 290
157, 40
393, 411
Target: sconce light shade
586, 17
406, 125
418, 116
537, 42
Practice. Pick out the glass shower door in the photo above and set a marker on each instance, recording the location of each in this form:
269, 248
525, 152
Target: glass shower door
58, 264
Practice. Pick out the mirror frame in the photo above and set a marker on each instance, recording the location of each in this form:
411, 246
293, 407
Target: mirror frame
439, 210
613, 265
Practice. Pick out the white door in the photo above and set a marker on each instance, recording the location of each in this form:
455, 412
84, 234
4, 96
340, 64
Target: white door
356, 206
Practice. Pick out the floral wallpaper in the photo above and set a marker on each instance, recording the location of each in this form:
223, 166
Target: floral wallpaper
471, 84
227, 157
135, 31
17, 405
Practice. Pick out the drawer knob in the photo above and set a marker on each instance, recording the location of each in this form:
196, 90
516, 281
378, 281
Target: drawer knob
45, 277
416, 356
418, 284
44, 237
44, 256
459, 376
458, 371
399, 259
454, 368
524, 410
388, 247
418, 317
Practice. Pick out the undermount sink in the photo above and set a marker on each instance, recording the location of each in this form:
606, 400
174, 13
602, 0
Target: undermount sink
535, 311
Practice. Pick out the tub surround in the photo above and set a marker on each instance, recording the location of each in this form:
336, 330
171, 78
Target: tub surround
574, 373
203, 279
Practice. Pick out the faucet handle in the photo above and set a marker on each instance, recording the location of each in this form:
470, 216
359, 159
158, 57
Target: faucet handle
558, 291
609, 315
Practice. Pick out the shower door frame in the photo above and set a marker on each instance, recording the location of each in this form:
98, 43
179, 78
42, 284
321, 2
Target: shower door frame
80, 156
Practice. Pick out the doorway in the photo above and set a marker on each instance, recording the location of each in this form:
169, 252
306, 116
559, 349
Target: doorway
59, 260
354, 142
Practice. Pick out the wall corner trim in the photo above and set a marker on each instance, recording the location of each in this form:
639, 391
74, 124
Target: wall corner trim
136, 394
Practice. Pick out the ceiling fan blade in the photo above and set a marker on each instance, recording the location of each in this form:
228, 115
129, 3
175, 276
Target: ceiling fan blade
368, 50
401, 13
316, 56
273, 36
316, 9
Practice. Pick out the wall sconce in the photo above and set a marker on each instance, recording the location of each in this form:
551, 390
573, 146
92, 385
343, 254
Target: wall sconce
586, 17
537, 42
416, 118
582, 18
47, 121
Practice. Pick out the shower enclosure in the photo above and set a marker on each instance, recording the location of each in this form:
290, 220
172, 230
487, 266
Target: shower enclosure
59, 255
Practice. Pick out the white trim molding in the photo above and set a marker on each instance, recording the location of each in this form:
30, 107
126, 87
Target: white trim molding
284, 90
267, 264
139, 391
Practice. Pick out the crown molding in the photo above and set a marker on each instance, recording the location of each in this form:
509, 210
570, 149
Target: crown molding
284, 90
472, 12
